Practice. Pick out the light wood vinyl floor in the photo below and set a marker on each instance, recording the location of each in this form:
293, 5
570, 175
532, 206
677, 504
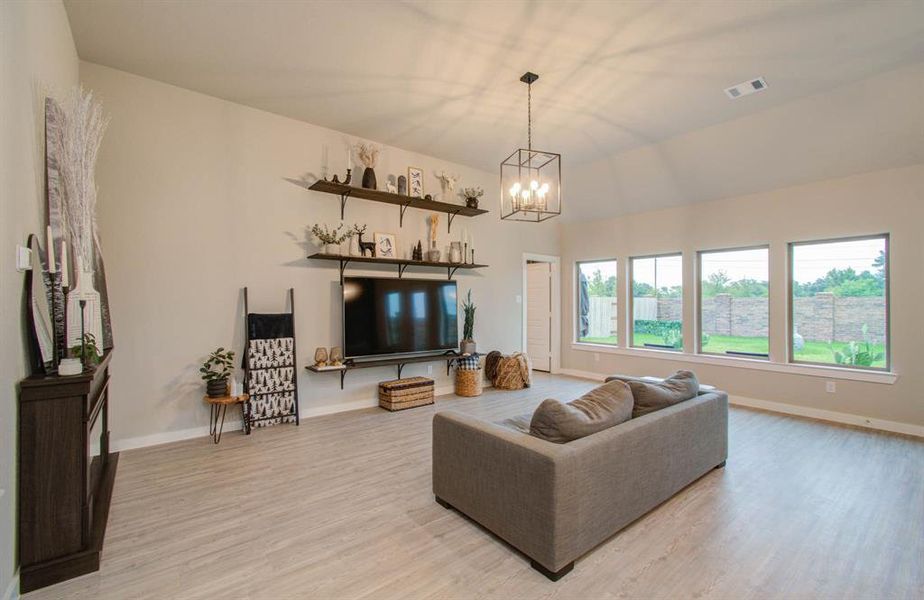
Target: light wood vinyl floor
341, 507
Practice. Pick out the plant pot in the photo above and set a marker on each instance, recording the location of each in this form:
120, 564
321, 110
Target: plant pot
369, 178
332, 249
467, 346
471, 202
217, 388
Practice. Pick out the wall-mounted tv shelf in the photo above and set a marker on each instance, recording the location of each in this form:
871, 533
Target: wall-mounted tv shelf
349, 191
402, 263
449, 356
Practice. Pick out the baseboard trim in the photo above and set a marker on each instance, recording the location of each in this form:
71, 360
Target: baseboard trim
12, 590
582, 374
179, 435
829, 415
796, 410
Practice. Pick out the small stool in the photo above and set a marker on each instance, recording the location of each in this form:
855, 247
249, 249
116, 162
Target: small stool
219, 406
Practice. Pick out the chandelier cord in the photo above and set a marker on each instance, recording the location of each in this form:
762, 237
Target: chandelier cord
529, 116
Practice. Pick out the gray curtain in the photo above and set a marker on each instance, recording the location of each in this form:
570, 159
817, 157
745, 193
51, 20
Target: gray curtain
584, 301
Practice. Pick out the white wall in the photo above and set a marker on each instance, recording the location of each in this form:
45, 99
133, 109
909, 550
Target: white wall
884, 201
193, 206
38, 59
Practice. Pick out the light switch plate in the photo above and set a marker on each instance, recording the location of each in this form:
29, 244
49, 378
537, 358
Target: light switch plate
23, 258
519, 299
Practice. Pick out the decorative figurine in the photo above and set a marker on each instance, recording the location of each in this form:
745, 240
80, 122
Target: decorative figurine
390, 185
320, 357
336, 356
402, 185
417, 252
447, 184
363, 246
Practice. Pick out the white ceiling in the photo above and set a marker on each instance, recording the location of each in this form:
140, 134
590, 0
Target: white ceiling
442, 78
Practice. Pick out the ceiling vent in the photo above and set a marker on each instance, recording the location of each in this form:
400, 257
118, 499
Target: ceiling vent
748, 87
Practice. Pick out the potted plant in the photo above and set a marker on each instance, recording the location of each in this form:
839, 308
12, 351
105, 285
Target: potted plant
216, 370
87, 353
467, 346
471, 195
330, 238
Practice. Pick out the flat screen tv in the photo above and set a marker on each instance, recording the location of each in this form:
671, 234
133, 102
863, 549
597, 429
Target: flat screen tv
398, 316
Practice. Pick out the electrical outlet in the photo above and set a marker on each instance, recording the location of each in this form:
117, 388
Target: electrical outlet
519, 299
23, 258
830, 387
429, 369
596, 357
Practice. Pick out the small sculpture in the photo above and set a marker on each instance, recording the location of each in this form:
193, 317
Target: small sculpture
320, 357
447, 183
390, 185
336, 356
363, 246
417, 253
402, 185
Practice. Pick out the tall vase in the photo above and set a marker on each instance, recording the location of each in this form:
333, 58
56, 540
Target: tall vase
369, 178
92, 312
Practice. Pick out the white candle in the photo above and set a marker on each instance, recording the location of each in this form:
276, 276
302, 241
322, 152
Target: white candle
65, 278
50, 241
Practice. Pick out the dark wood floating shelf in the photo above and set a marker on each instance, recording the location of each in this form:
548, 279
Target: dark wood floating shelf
402, 263
398, 361
349, 191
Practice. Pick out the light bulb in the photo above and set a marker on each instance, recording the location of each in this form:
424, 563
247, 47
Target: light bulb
544, 189
534, 185
516, 188
525, 194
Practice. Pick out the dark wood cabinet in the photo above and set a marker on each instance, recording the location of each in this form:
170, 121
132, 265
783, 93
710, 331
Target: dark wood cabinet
66, 475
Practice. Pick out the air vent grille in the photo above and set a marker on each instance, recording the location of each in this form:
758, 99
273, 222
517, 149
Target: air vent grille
746, 88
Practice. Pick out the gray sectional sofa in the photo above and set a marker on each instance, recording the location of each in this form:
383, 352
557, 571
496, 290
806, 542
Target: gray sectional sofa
556, 502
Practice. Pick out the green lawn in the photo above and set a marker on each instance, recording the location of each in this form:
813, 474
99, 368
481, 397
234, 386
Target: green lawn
820, 352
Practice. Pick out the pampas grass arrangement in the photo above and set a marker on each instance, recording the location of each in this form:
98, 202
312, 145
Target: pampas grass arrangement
77, 147
368, 154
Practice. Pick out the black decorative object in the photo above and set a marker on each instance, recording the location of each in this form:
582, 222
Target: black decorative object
269, 368
363, 246
530, 180
428, 198
417, 253
402, 185
369, 178
216, 388
471, 202
346, 180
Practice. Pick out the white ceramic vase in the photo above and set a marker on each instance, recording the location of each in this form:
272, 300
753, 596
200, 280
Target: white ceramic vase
92, 312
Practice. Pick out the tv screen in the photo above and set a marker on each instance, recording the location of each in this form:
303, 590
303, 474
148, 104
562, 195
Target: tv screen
398, 316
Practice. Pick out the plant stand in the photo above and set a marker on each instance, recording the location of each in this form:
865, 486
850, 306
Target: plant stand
218, 407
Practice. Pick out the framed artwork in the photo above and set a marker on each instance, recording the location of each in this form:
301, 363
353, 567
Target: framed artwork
385, 245
415, 182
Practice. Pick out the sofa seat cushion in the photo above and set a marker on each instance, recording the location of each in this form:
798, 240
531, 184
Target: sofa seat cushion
651, 396
599, 409
519, 423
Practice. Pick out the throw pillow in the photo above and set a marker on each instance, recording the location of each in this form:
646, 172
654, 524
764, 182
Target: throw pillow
599, 409
650, 397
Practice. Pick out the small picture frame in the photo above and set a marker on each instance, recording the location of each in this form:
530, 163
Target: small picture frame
415, 185
385, 245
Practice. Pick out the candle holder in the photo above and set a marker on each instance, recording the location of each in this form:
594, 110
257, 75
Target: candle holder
346, 180
83, 336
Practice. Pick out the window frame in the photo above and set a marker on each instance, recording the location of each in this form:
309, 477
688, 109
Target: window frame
698, 301
790, 351
576, 319
630, 301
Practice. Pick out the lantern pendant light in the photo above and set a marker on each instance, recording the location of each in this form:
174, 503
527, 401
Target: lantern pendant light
530, 180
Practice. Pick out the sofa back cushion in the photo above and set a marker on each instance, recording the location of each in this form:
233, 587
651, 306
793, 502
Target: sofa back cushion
601, 408
650, 396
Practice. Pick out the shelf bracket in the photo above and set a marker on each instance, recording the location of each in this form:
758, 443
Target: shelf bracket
342, 377
400, 367
451, 215
402, 269
343, 199
343, 266
401, 217
450, 271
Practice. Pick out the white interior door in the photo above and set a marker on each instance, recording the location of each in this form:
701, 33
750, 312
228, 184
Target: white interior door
539, 315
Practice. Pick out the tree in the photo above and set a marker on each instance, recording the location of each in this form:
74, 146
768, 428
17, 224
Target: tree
597, 286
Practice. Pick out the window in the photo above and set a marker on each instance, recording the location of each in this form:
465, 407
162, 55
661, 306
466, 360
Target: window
657, 302
596, 302
839, 308
733, 302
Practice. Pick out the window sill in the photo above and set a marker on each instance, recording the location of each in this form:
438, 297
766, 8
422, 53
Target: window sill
756, 364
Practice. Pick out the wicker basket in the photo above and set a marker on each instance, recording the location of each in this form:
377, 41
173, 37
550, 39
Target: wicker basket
400, 394
469, 382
